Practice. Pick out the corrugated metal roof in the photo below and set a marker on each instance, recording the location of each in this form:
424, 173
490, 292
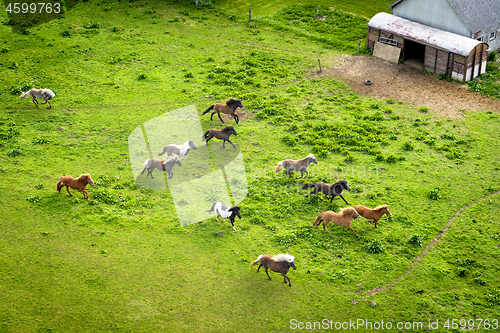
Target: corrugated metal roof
477, 15
439, 38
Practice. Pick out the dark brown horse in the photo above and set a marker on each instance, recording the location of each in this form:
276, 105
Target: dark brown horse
220, 134
300, 165
333, 190
79, 184
279, 264
228, 108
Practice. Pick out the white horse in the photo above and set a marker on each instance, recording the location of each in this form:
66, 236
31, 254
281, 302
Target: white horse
182, 151
45, 94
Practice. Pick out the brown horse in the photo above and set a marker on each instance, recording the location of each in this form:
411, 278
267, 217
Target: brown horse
343, 219
300, 165
279, 264
166, 165
220, 134
228, 108
375, 213
333, 190
79, 184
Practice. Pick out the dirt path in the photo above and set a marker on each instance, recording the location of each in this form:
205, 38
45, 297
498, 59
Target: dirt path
403, 83
433, 243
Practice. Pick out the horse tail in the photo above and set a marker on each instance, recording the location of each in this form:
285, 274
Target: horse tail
211, 209
279, 167
210, 108
205, 136
256, 260
307, 186
317, 221
146, 164
60, 184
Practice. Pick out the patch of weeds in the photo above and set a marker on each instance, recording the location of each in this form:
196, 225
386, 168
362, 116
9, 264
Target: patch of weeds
40, 141
408, 146
375, 246
416, 240
91, 25
40, 186
289, 140
4, 50
14, 152
257, 220
447, 136
105, 180
34, 198
423, 109
142, 76
407, 252
493, 297
104, 197
434, 194
66, 33
189, 75
462, 271
12, 65
118, 187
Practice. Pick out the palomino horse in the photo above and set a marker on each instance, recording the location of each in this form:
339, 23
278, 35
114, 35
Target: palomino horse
228, 108
182, 151
375, 213
79, 184
343, 219
225, 211
300, 165
333, 190
279, 264
220, 134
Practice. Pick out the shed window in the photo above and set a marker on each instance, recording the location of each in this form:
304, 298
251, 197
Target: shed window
493, 35
481, 39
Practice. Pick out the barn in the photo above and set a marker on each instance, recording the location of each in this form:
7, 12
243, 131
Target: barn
476, 19
438, 51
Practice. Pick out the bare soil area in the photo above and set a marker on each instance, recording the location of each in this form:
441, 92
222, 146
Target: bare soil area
406, 84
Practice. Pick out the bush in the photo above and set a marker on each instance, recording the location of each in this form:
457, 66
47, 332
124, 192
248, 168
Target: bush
375, 247
416, 240
66, 33
423, 109
492, 55
434, 194
408, 146
142, 76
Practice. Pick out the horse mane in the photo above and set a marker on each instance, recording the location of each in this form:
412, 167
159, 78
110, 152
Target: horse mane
347, 210
85, 175
283, 257
233, 101
310, 156
380, 207
227, 128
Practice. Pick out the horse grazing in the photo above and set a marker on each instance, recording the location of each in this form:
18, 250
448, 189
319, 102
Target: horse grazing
333, 190
343, 219
220, 134
45, 94
182, 151
228, 108
166, 165
375, 213
300, 165
225, 211
79, 184
280, 263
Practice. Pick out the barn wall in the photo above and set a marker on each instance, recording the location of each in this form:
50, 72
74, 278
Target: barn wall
435, 13
458, 72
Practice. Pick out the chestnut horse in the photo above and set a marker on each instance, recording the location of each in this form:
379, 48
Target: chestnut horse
300, 165
79, 184
375, 213
220, 134
228, 108
333, 190
343, 219
280, 263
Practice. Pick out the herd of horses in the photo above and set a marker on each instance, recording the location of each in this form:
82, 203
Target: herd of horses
280, 263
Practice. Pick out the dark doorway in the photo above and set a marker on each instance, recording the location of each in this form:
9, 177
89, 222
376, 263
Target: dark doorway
414, 54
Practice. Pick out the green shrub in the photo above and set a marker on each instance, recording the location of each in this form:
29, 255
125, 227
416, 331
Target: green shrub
289, 140
375, 247
142, 76
14, 152
34, 198
66, 33
492, 55
416, 240
434, 194
408, 146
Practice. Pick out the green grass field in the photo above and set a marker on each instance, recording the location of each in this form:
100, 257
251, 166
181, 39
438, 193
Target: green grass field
121, 261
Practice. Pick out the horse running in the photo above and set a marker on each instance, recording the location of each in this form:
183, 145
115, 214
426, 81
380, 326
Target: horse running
220, 134
166, 165
333, 190
45, 94
225, 211
343, 219
280, 263
375, 213
79, 184
300, 165
228, 108
182, 151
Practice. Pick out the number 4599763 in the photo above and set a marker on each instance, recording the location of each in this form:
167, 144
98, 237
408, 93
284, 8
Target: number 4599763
33, 8
471, 324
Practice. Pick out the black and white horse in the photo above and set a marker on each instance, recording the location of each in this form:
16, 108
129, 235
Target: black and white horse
225, 212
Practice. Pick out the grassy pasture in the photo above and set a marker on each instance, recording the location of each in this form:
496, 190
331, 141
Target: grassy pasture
122, 262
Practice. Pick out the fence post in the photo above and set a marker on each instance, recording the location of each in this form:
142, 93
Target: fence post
359, 43
319, 63
249, 14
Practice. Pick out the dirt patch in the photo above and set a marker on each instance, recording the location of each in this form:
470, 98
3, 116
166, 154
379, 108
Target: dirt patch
406, 84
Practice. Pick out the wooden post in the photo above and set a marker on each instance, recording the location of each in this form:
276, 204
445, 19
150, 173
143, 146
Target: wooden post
249, 14
319, 63
359, 43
